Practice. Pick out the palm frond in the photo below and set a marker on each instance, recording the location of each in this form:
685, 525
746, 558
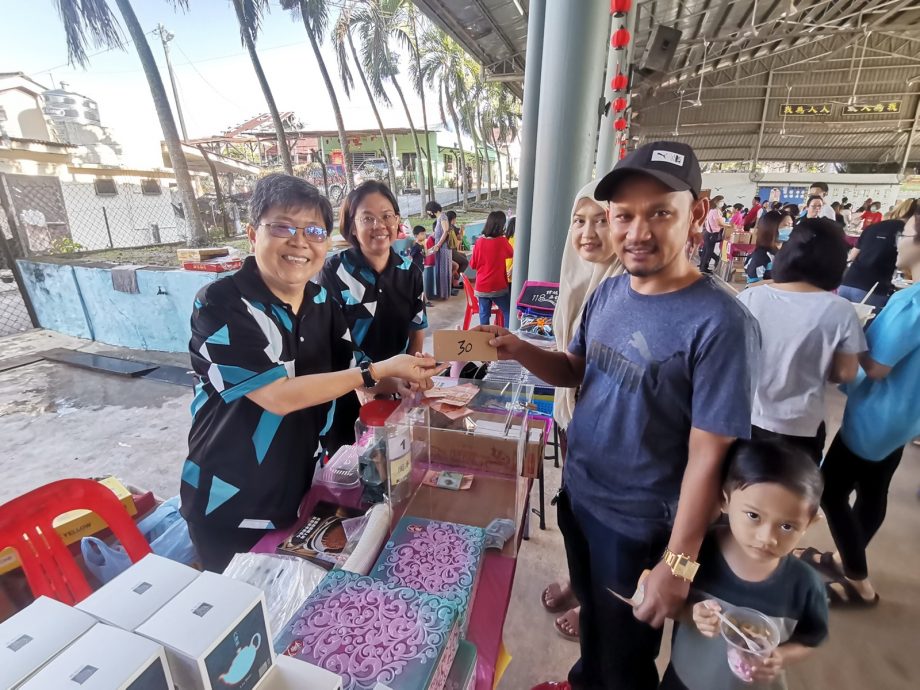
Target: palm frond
250, 14
85, 22
339, 38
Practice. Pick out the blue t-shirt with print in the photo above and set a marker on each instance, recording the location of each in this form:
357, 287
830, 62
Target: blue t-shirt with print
656, 365
881, 416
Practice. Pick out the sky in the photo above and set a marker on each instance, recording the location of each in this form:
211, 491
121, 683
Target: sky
217, 85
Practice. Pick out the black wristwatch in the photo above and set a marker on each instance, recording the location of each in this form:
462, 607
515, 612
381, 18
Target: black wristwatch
365, 367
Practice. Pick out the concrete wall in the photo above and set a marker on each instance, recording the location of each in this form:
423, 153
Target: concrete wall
130, 215
80, 301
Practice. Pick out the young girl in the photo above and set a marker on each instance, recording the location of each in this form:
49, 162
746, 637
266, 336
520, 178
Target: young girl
489, 255
770, 497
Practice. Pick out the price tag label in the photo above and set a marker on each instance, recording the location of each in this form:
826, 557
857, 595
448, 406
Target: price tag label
463, 346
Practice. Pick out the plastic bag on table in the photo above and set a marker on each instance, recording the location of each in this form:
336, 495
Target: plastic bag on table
286, 580
165, 515
165, 530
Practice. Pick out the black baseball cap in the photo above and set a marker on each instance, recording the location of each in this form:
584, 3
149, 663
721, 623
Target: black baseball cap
670, 162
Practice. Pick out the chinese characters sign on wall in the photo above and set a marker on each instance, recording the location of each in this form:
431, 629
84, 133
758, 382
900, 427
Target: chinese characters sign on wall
805, 109
827, 109
885, 107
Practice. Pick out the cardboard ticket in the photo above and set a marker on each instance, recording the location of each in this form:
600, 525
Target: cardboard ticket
464, 346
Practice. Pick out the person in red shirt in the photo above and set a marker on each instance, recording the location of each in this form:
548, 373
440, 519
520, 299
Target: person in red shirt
750, 220
873, 215
489, 255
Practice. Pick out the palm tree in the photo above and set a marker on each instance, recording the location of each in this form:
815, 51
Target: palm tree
315, 16
249, 15
501, 117
86, 20
376, 21
344, 46
443, 63
469, 110
416, 73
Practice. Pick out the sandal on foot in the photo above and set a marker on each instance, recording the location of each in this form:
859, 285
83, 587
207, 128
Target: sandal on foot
564, 602
823, 562
849, 598
567, 624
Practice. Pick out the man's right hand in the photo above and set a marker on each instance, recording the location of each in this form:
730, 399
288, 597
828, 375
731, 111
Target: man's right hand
503, 340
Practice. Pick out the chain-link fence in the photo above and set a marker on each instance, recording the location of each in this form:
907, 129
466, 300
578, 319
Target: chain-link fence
14, 315
62, 217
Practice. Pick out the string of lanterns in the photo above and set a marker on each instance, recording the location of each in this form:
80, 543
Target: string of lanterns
620, 82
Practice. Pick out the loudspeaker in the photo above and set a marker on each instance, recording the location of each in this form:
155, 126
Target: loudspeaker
660, 49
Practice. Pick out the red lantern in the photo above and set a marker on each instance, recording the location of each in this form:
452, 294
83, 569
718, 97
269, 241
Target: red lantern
620, 7
620, 38
619, 82
622, 153
619, 105
619, 124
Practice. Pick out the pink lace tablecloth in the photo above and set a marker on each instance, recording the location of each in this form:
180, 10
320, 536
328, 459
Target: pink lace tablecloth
492, 596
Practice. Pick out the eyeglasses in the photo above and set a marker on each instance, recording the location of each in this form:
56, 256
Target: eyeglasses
285, 231
369, 222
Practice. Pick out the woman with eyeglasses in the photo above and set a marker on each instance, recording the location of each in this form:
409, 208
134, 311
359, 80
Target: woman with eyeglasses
381, 293
271, 352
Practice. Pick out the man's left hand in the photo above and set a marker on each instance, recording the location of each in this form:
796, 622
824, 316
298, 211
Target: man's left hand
664, 597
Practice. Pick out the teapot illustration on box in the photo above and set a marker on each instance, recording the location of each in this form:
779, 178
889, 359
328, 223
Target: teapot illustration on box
242, 662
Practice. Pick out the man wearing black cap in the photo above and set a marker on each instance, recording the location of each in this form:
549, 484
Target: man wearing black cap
666, 360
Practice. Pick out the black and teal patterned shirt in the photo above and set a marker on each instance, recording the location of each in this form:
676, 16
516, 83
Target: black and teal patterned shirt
246, 466
381, 309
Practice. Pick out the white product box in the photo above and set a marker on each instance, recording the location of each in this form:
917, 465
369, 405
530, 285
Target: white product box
215, 634
139, 592
32, 637
293, 674
106, 658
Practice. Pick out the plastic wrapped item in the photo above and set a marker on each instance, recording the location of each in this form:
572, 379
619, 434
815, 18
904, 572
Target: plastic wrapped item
286, 580
341, 472
375, 533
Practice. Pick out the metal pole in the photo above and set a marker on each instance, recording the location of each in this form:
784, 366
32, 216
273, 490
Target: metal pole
524, 213
606, 141
165, 38
572, 75
763, 120
322, 155
6, 202
108, 230
910, 137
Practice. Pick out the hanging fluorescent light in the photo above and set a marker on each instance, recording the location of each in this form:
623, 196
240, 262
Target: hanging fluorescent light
517, 3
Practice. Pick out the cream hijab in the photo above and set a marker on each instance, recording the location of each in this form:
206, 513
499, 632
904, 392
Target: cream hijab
577, 281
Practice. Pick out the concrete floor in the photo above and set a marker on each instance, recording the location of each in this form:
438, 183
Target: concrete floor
58, 421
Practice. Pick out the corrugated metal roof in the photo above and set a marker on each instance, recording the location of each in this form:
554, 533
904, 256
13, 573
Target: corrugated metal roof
494, 32
819, 53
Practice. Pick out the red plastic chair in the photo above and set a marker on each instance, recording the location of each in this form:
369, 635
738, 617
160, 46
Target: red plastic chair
472, 306
50, 568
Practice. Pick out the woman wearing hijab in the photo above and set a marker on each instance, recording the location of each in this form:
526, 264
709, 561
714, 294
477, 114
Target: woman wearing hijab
587, 260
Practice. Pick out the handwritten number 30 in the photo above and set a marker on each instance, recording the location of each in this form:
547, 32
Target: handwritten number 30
464, 347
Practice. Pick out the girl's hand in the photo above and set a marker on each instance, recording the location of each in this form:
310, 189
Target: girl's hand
705, 618
767, 670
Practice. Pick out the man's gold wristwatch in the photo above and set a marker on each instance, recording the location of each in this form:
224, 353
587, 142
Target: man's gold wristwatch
681, 565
